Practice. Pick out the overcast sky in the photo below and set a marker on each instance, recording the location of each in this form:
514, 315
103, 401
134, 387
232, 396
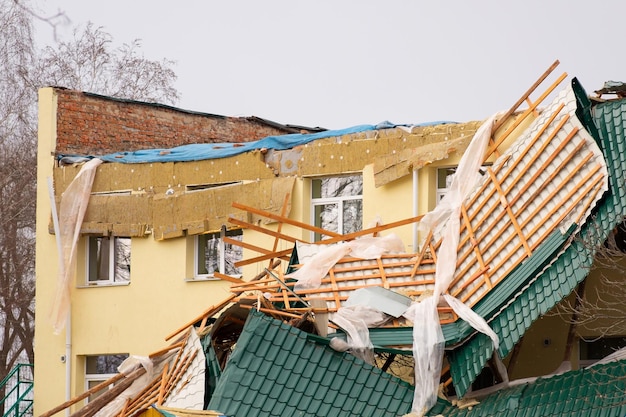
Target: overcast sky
339, 63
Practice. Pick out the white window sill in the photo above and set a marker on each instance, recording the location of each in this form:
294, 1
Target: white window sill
202, 278
103, 284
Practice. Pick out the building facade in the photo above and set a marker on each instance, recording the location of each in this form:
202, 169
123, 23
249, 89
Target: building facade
158, 241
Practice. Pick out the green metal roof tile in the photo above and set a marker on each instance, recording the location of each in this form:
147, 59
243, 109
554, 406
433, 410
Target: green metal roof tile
293, 343
305, 403
327, 363
313, 385
360, 407
318, 375
598, 391
316, 355
385, 401
253, 384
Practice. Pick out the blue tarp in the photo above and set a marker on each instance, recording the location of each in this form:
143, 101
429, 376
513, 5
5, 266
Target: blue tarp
198, 152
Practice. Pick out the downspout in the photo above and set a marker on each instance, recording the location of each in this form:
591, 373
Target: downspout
68, 326
415, 210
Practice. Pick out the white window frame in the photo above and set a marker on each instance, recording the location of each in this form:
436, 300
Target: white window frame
113, 278
339, 201
221, 248
442, 191
91, 380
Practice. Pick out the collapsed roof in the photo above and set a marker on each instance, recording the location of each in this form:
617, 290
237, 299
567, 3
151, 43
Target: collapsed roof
528, 233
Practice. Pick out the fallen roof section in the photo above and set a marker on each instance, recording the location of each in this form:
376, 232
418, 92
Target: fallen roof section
278, 370
595, 391
608, 126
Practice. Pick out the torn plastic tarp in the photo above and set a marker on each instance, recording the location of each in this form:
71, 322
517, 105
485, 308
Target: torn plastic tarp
311, 273
203, 151
72, 209
130, 364
428, 340
355, 320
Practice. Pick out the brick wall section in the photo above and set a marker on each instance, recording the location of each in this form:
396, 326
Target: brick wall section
88, 124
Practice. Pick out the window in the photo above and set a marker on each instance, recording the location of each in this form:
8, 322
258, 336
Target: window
99, 368
337, 204
596, 349
108, 260
444, 180
214, 255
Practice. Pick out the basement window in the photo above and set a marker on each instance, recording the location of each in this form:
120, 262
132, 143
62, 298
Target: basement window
593, 350
212, 254
337, 204
108, 260
99, 368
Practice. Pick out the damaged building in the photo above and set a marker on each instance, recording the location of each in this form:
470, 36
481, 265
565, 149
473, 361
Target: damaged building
190, 263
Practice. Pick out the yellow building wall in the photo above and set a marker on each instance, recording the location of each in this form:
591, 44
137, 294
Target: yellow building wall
49, 348
133, 318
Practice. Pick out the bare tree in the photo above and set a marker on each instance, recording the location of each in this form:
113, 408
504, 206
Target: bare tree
88, 62
52, 20
597, 305
17, 189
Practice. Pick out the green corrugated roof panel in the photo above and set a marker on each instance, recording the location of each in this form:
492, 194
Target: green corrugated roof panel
596, 391
213, 370
571, 267
277, 370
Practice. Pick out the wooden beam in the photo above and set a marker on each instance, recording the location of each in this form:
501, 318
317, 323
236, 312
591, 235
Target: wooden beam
103, 399
93, 390
282, 255
256, 228
526, 95
215, 308
286, 220
519, 120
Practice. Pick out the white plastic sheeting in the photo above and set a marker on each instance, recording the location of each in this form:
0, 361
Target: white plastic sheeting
428, 341
188, 393
130, 364
355, 321
311, 273
72, 210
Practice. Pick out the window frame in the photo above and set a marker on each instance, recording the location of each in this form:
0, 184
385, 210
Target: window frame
113, 278
95, 379
588, 348
222, 247
442, 191
340, 201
